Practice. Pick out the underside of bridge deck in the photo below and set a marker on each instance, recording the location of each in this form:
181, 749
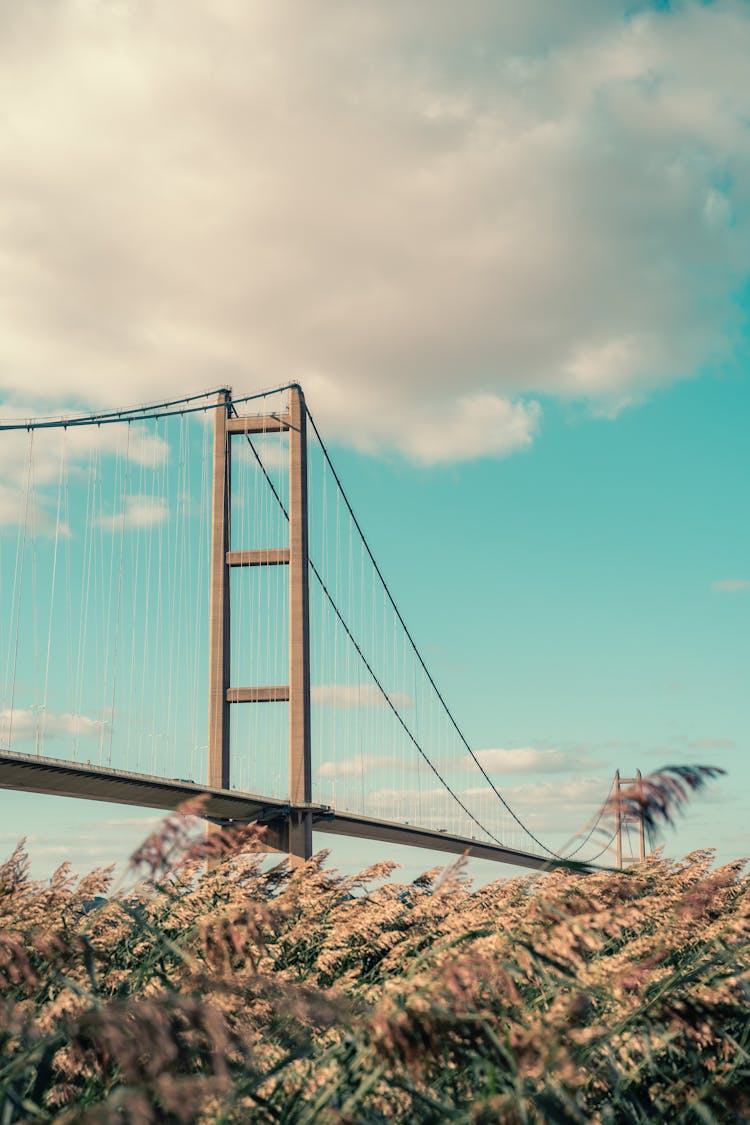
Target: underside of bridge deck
27, 773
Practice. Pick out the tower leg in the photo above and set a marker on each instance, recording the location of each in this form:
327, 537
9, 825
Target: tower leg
641, 819
218, 629
618, 822
300, 755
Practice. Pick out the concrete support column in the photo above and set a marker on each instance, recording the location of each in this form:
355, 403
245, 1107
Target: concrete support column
300, 755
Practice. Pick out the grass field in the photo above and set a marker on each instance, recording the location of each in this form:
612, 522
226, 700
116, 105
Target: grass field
245, 993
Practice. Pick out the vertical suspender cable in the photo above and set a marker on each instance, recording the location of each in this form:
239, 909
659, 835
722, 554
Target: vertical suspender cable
53, 586
20, 568
118, 605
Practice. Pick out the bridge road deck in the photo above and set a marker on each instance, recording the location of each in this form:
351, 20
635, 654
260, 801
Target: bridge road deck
31, 774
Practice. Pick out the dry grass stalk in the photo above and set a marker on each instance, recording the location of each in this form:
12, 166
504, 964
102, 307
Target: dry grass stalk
249, 992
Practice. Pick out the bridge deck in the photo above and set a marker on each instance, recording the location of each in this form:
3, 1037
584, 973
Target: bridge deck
26, 773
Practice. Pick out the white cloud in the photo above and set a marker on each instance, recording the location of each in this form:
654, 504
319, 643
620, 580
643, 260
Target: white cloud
59, 454
717, 210
352, 696
527, 759
547, 808
416, 804
552, 810
359, 766
71, 448
480, 425
139, 511
730, 585
429, 215
16, 509
111, 840
711, 744
568, 794
23, 725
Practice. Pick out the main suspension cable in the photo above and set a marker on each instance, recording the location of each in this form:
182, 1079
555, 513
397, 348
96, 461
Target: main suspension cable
137, 413
198, 403
365, 661
417, 653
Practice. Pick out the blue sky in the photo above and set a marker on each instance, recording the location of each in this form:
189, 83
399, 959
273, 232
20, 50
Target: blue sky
581, 604
505, 252
580, 595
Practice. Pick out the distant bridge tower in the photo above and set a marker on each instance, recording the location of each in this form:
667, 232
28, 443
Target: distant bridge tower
624, 819
294, 834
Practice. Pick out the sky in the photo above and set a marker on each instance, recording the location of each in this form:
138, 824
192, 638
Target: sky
504, 249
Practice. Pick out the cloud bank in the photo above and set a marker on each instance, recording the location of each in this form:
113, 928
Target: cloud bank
359, 767
138, 511
529, 759
432, 216
353, 696
58, 455
23, 725
730, 585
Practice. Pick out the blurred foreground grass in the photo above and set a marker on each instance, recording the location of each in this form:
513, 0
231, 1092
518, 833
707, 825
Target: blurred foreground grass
249, 993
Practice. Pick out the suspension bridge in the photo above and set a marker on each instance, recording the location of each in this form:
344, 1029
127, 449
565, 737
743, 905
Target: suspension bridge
189, 605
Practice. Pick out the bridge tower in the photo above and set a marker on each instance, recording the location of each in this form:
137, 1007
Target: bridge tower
294, 833
624, 819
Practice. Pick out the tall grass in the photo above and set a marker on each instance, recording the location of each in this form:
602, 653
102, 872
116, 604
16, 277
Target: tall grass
249, 993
